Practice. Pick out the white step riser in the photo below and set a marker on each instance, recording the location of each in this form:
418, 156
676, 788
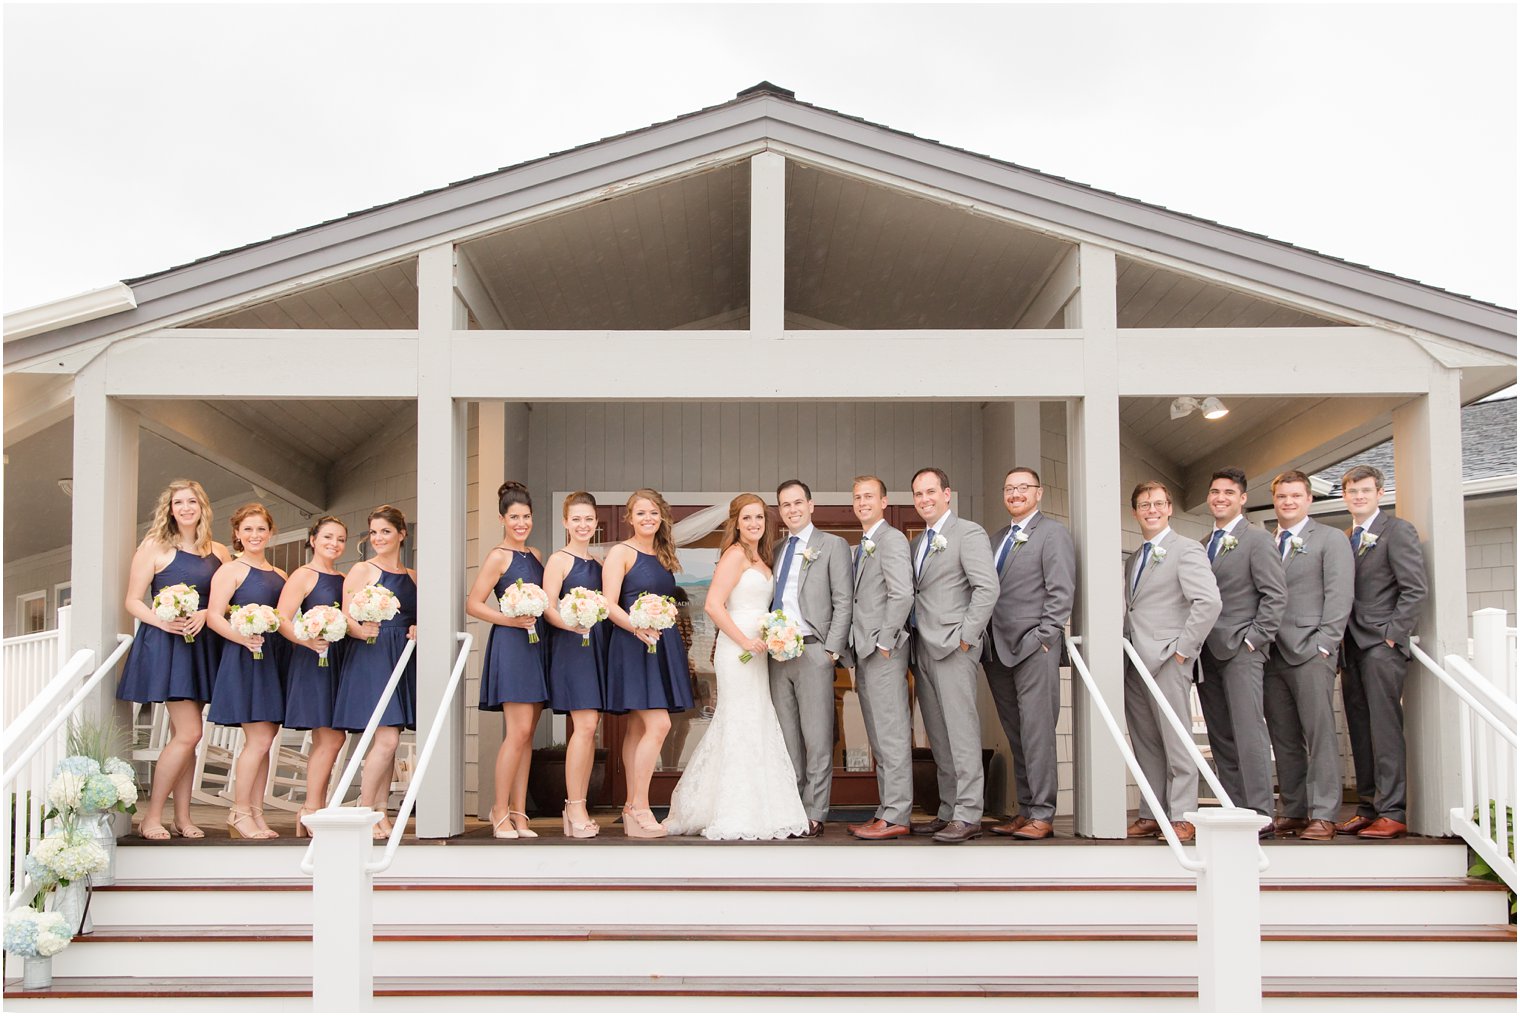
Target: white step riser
571, 959
558, 860
548, 907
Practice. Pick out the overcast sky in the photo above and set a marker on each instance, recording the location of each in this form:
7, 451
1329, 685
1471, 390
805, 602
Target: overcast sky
141, 137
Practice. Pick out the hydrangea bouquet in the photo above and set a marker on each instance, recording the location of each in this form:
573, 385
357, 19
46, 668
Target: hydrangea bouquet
178, 600
583, 608
782, 635
524, 599
374, 603
320, 622
35, 933
81, 783
254, 619
653, 611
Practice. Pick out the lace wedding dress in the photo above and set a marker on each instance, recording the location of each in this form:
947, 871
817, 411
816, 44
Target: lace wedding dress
740, 784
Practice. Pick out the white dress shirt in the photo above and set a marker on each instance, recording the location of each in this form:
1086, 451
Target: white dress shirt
789, 591
929, 534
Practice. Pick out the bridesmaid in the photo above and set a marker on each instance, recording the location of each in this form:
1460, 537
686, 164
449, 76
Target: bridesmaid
577, 672
648, 685
162, 666
309, 687
513, 680
248, 691
367, 668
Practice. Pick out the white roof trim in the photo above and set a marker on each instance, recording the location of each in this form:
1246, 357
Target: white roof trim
71, 310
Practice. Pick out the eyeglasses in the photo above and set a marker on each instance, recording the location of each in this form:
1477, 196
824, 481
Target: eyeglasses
1021, 488
1145, 506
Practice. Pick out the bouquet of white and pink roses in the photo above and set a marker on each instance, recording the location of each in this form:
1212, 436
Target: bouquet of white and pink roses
178, 600
653, 611
373, 603
782, 635
524, 599
582, 608
254, 619
320, 622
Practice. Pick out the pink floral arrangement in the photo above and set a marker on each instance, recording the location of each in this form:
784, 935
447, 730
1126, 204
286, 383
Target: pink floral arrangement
782, 636
178, 600
524, 599
653, 611
325, 623
374, 603
582, 608
254, 619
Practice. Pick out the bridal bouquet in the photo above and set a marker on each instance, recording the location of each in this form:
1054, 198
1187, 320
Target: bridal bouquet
583, 608
254, 619
653, 611
325, 623
782, 636
373, 603
524, 599
178, 600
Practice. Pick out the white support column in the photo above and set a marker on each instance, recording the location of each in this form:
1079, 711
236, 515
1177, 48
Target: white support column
441, 438
492, 417
1093, 437
1229, 910
343, 908
104, 519
767, 245
1427, 459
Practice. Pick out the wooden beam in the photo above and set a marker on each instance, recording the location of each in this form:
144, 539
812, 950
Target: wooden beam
33, 403
767, 245
1054, 293
278, 364
200, 429
475, 294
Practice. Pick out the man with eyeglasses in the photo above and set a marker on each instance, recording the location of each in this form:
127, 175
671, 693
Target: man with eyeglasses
1037, 573
1170, 604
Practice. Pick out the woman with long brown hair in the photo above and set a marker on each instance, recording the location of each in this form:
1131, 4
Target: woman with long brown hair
173, 661
649, 686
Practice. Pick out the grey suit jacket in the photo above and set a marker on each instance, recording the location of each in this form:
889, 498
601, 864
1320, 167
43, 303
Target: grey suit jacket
823, 588
1035, 591
954, 593
1175, 604
1319, 595
883, 594
1390, 584
1252, 592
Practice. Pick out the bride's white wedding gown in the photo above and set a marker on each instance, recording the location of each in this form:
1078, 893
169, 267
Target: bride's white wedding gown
740, 784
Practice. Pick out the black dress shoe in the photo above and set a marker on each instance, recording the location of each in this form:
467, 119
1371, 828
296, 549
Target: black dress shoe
928, 828
1267, 832
958, 832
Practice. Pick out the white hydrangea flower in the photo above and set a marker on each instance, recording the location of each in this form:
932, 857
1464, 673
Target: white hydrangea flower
64, 791
126, 788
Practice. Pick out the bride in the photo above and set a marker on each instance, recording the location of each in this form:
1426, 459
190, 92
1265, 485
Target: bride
740, 784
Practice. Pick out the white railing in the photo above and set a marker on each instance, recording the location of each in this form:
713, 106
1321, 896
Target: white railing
351, 771
33, 746
339, 861
1487, 721
1228, 874
29, 663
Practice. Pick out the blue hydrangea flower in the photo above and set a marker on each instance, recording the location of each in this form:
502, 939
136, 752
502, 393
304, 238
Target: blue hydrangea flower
99, 794
78, 765
116, 767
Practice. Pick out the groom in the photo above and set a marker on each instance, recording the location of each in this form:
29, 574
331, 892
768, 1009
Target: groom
813, 586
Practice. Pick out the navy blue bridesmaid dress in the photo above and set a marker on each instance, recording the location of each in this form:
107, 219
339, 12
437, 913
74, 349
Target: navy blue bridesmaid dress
578, 673
637, 678
310, 688
162, 667
249, 690
515, 669
366, 668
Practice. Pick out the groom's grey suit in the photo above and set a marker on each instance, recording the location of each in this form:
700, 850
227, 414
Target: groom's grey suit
954, 592
883, 597
802, 689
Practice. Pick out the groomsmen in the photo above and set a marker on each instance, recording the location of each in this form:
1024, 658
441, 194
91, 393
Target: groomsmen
813, 586
1299, 688
1389, 588
1037, 568
1253, 595
955, 587
879, 641
1171, 602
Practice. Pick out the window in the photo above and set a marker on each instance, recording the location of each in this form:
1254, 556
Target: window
31, 612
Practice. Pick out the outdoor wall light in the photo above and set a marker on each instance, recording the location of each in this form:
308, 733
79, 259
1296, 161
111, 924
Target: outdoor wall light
1211, 407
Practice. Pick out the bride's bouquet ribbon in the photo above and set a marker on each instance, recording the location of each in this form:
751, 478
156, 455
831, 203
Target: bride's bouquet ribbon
320, 622
524, 599
252, 619
178, 600
374, 603
653, 611
582, 608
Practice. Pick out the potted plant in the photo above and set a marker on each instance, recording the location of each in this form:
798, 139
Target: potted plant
36, 936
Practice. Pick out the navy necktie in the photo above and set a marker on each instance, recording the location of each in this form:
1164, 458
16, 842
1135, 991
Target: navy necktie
1145, 555
1007, 548
1356, 538
859, 549
1282, 543
927, 548
786, 566
1214, 542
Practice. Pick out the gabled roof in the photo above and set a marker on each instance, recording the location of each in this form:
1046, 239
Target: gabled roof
769, 114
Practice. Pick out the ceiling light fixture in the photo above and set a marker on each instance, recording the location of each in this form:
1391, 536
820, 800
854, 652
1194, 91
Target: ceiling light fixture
1211, 407
67, 486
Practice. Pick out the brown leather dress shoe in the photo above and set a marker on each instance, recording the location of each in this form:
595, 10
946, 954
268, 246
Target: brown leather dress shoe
1143, 828
1289, 826
1034, 829
1353, 826
928, 828
958, 832
1267, 832
815, 830
1185, 831
855, 827
1384, 828
881, 829
1010, 827
1321, 830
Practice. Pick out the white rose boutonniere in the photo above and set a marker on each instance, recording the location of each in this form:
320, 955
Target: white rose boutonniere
1019, 539
1158, 555
1369, 540
868, 545
938, 544
809, 555
1228, 544
1295, 546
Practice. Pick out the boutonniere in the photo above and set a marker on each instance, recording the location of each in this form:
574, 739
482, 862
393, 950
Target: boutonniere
809, 555
1019, 539
868, 545
1158, 555
1369, 540
1295, 546
938, 544
1228, 544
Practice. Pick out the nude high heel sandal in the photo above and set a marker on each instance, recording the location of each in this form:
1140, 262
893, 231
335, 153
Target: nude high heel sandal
524, 831
640, 824
578, 830
497, 824
240, 825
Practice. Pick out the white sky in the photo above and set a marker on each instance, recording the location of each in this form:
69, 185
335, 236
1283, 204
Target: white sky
140, 137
